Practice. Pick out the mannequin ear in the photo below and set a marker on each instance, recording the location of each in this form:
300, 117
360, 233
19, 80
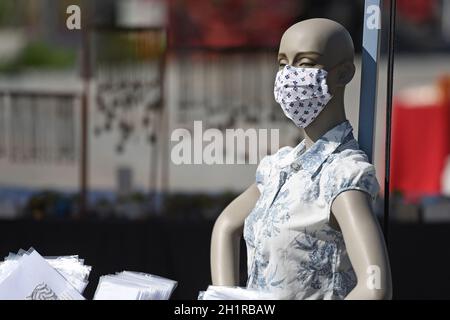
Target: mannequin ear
346, 72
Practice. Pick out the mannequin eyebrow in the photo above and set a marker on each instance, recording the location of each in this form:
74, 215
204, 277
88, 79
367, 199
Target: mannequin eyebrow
307, 55
300, 55
281, 56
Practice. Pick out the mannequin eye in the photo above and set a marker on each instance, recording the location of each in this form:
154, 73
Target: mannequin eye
307, 64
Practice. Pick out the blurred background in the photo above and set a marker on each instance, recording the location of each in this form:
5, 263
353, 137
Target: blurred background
86, 118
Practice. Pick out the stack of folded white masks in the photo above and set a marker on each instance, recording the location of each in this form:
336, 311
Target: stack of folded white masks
128, 285
27, 275
233, 293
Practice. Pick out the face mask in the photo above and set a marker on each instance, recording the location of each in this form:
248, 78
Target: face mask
302, 93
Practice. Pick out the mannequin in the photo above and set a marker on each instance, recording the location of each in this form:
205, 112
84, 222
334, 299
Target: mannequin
315, 43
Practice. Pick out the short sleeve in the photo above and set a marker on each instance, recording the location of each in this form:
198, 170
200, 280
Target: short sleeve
265, 167
353, 172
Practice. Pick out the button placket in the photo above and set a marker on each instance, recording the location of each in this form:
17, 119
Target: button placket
283, 175
282, 180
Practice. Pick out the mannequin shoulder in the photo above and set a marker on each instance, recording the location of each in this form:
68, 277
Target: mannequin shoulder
268, 161
347, 161
349, 170
279, 155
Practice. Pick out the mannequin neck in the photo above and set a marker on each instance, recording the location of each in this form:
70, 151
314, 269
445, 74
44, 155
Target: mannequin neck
330, 117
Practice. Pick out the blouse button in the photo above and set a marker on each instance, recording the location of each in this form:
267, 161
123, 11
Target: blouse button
296, 166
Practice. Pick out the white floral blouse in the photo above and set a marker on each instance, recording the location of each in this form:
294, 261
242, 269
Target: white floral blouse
292, 250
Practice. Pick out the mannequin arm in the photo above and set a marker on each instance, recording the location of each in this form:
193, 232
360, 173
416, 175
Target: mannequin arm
226, 237
365, 246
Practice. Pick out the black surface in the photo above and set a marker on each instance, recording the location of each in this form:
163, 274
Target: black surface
179, 250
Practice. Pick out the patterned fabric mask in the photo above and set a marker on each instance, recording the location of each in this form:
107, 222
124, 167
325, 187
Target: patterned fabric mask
302, 93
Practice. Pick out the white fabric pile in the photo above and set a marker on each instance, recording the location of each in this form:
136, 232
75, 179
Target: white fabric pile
233, 293
27, 275
128, 285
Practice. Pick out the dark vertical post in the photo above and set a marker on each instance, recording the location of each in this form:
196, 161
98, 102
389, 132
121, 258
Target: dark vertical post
165, 127
154, 137
390, 93
85, 74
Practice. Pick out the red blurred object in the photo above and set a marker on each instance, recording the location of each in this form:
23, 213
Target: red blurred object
420, 145
230, 23
417, 11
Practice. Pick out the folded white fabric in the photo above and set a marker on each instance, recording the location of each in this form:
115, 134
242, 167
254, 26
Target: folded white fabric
28, 276
233, 293
72, 268
129, 285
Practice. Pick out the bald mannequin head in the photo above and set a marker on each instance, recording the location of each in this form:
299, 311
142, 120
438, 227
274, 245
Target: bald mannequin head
325, 44
325, 37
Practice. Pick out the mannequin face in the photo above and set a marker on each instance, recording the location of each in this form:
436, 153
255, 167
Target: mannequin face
319, 43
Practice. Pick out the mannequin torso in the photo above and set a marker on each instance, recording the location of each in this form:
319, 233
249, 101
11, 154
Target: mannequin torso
321, 44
